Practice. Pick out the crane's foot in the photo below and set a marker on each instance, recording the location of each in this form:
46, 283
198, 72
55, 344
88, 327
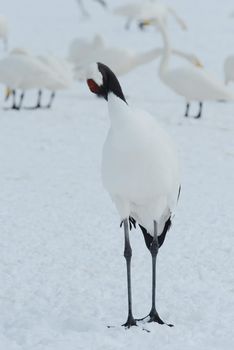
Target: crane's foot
130, 322
154, 317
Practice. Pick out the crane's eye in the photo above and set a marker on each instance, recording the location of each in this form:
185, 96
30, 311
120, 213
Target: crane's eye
94, 87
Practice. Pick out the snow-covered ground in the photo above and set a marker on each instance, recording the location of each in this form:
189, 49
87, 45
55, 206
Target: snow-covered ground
62, 271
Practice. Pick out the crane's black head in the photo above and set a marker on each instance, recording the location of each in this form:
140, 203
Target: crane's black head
102, 81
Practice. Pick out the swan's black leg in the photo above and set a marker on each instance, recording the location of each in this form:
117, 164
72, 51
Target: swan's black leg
101, 2
21, 100
38, 104
8, 94
52, 96
128, 255
14, 106
200, 111
128, 24
187, 109
82, 8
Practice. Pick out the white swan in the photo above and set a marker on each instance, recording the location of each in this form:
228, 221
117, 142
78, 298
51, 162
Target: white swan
22, 71
63, 72
140, 171
122, 61
194, 84
148, 9
4, 31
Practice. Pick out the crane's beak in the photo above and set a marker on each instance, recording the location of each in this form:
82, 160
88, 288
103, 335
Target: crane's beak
8, 93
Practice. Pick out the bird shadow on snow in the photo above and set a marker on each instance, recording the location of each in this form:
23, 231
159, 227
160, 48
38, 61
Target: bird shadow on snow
85, 325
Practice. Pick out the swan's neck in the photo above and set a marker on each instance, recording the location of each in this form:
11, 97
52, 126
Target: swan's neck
164, 64
145, 57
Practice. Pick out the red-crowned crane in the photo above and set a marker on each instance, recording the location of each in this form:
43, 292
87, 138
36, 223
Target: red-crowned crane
139, 170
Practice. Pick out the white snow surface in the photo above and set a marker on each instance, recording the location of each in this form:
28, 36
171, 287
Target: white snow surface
62, 271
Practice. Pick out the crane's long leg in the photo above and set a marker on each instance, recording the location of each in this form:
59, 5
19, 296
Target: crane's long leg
128, 255
200, 111
187, 109
153, 315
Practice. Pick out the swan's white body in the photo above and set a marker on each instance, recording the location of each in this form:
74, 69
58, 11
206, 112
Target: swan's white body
148, 9
194, 84
229, 69
63, 71
81, 49
139, 167
21, 70
4, 30
120, 60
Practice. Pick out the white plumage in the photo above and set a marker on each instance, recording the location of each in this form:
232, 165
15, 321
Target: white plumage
21, 70
82, 53
63, 71
195, 84
140, 171
139, 167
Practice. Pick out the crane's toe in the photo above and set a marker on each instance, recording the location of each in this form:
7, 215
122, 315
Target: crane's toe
154, 317
130, 322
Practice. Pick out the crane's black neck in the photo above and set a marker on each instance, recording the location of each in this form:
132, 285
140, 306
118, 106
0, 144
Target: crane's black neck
110, 83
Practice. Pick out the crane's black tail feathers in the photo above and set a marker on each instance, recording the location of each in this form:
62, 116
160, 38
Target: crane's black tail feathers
148, 238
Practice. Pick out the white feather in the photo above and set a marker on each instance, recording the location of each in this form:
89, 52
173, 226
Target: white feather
139, 167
